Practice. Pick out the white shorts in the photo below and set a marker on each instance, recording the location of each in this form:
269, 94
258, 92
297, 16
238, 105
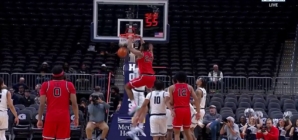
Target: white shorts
3, 120
169, 120
139, 97
202, 114
158, 127
194, 122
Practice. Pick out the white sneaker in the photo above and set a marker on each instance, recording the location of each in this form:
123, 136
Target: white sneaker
141, 131
201, 124
132, 135
133, 110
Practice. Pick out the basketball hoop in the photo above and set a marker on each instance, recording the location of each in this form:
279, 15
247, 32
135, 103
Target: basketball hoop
129, 33
123, 38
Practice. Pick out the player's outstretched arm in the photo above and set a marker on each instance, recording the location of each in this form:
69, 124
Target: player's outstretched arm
145, 103
195, 97
42, 99
73, 99
10, 105
141, 39
199, 94
171, 89
167, 101
132, 49
74, 105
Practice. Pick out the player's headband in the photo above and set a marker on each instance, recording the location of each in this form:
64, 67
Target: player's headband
58, 75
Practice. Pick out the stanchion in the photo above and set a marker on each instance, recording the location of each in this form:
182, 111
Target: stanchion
121, 121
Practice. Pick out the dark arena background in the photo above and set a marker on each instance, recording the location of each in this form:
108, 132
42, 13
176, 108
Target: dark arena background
253, 43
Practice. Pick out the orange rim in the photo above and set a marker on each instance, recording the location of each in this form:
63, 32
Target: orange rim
127, 34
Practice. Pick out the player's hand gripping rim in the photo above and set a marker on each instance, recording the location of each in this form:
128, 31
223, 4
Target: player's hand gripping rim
137, 35
130, 38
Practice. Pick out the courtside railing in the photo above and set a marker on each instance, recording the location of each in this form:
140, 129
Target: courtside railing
108, 100
86, 82
82, 82
239, 84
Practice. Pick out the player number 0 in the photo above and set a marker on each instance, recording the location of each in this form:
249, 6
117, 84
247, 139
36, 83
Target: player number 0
57, 92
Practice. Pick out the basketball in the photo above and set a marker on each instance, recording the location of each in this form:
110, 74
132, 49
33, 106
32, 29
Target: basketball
122, 52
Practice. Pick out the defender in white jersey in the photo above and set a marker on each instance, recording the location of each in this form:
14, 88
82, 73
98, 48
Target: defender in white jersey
169, 118
5, 101
194, 122
202, 94
159, 100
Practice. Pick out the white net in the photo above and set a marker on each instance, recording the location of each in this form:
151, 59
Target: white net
122, 41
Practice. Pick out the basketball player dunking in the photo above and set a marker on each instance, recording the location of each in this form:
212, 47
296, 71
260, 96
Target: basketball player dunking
144, 62
180, 94
146, 78
5, 103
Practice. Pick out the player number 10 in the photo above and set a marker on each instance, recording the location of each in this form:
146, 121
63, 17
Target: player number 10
151, 19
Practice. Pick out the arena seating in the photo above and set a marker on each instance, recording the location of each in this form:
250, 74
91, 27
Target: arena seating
244, 39
28, 119
55, 32
271, 105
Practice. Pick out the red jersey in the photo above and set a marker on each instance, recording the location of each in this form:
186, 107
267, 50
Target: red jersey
145, 63
273, 134
57, 93
181, 95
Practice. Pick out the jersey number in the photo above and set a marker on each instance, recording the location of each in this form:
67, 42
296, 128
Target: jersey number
157, 100
148, 58
57, 92
182, 92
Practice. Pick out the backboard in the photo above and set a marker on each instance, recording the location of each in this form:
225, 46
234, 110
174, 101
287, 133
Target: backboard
112, 17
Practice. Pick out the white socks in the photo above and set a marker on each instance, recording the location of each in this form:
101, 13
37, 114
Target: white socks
141, 125
134, 130
2, 135
133, 102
